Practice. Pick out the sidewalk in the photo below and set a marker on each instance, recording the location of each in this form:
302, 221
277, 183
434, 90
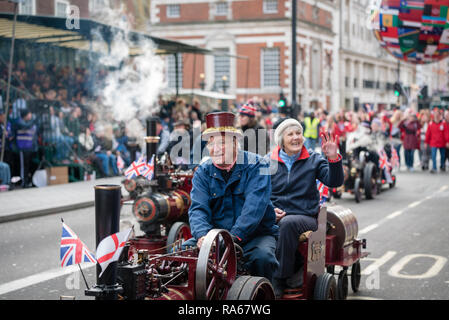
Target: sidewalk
32, 202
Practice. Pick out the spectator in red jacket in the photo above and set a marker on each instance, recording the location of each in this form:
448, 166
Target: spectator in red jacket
437, 137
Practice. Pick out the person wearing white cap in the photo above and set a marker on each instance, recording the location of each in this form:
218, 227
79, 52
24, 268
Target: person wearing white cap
294, 171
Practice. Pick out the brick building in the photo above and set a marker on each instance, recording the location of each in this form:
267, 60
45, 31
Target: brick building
261, 31
47, 7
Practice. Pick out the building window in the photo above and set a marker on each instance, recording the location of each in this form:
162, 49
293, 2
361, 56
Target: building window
222, 67
27, 7
221, 8
173, 11
171, 71
61, 8
270, 67
270, 6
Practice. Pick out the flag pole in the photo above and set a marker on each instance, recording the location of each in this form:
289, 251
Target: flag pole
87, 286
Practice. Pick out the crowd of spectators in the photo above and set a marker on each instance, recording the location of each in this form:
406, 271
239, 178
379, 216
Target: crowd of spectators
53, 117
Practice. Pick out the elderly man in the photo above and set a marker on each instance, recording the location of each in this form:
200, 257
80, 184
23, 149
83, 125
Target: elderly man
232, 191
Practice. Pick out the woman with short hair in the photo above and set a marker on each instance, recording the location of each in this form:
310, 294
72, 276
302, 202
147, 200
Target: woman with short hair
294, 171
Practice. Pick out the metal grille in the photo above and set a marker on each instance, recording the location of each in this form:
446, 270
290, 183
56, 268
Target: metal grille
171, 71
270, 67
222, 66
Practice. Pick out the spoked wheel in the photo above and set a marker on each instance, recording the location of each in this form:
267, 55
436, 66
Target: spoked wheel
178, 231
343, 285
216, 267
370, 180
325, 288
357, 190
251, 288
355, 276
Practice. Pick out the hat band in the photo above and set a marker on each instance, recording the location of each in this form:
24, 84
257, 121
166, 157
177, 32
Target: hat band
221, 129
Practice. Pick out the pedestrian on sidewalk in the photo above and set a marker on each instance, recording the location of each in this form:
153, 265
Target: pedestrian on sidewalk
437, 137
410, 126
396, 132
424, 150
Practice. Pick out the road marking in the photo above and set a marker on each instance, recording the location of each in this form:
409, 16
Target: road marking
399, 212
414, 204
377, 262
431, 272
362, 298
369, 228
41, 277
395, 214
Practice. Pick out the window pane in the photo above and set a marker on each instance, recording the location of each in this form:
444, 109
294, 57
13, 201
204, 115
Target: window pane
173, 11
26, 7
270, 6
171, 71
222, 66
61, 8
221, 8
271, 67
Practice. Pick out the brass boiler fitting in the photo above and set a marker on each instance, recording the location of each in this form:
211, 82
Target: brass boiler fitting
161, 207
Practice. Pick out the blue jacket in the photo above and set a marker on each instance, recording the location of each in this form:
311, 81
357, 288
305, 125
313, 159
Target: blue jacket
296, 191
242, 205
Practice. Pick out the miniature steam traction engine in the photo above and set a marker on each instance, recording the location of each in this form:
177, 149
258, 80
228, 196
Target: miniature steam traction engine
156, 267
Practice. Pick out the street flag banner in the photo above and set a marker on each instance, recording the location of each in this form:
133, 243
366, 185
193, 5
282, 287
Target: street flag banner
135, 169
73, 250
148, 172
323, 190
110, 248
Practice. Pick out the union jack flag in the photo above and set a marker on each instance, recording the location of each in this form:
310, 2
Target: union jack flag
148, 172
135, 169
73, 250
383, 160
394, 158
323, 190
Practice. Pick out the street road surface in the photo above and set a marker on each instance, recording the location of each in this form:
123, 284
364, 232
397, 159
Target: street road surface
406, 229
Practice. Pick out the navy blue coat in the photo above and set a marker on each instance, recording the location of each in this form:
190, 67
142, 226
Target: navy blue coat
242, 205
296, 191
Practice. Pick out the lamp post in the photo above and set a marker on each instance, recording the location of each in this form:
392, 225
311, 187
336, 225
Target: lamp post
224, 102
202, 83
11, 60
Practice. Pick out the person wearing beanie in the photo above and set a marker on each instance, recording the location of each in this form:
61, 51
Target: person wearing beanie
294, 170
255, 137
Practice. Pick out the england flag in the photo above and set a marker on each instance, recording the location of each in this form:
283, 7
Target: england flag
110, 248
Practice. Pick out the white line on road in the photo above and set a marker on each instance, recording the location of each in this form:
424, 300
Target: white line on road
377, 262
369, 228
395, 214
399, 212
40, 277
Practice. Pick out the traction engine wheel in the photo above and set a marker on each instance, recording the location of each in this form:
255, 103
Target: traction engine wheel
355, 276
251, 288
216, 267
325, 287
343, 285
178, 231
357, 190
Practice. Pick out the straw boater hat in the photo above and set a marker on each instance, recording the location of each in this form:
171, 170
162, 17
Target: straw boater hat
220, 123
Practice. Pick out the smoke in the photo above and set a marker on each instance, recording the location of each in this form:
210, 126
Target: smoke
132, 85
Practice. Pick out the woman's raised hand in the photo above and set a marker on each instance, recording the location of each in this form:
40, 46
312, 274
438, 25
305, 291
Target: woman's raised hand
329, 145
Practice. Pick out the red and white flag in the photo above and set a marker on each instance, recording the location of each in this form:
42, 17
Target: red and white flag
110, 248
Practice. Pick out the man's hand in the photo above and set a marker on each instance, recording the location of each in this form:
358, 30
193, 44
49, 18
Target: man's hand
200, 242
279, 214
